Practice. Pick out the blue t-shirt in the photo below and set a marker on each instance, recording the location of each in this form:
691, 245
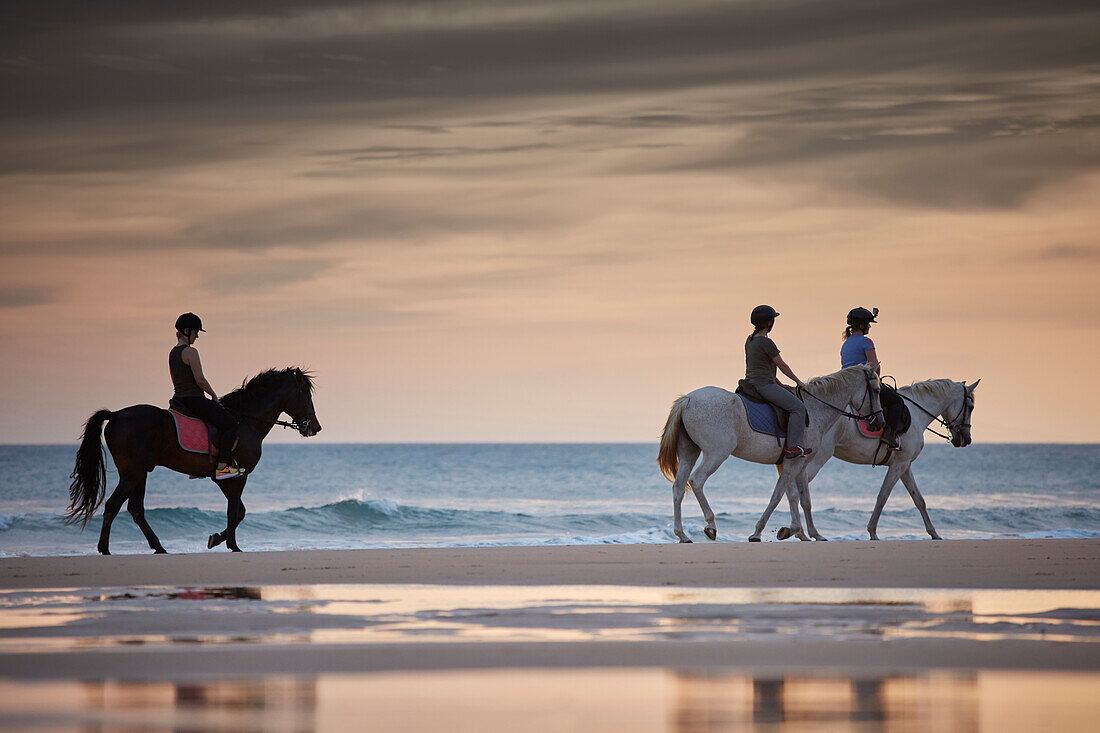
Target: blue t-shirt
854, 350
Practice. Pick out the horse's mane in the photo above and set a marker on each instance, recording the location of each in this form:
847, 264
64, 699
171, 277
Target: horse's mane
264, 382
931, 389
830, 383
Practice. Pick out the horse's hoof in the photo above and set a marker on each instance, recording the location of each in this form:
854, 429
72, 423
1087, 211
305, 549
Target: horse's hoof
754, 538
936, 537
235, 549
160, 551
213, 541
685, 541
104, 552
783, 533
711, 533
819, 538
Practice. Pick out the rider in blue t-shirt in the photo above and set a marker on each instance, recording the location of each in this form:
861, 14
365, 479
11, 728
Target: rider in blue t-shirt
858, 348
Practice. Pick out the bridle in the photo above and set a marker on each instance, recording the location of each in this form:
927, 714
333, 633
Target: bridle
855, 416
953, 424
302, 427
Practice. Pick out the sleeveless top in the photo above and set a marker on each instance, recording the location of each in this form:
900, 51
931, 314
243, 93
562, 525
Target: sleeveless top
854, 350
183, 379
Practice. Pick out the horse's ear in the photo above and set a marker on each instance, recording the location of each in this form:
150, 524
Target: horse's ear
971, 387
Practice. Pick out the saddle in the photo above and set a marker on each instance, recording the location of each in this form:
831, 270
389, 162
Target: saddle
866, 432
194, 435
764, 417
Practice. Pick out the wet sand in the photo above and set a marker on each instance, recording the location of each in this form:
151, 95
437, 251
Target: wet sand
1013, 564
718, 635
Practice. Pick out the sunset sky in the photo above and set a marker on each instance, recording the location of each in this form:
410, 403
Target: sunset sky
511, 220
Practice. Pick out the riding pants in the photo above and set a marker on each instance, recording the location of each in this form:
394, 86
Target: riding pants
784, 400
213, 413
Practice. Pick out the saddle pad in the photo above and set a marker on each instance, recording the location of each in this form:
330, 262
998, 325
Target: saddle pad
192, 434
761, 417
867, 432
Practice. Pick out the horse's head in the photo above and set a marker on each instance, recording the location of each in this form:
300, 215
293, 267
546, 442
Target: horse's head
299, 404
956, 415
866, 399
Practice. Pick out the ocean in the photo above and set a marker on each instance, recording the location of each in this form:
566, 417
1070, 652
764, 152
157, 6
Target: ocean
313, 496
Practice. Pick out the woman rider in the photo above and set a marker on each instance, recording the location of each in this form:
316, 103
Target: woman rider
761, 360
190, 384
858, 348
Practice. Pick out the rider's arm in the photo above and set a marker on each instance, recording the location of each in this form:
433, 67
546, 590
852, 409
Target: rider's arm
190, 357
872, 359
778, 361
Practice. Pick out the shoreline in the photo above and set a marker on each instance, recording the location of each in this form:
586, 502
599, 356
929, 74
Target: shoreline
978, 564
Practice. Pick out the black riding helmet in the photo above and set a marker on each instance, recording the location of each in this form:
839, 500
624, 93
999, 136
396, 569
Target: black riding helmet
761, 314
189, 320
861, 315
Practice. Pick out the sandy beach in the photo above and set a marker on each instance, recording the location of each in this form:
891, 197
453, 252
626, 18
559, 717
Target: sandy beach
758, 623
1010, 564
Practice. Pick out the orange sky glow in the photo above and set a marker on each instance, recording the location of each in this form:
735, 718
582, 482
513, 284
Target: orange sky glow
534, 221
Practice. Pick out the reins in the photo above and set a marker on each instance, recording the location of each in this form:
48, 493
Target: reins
855, 416
845, 413
937, 418
281, 423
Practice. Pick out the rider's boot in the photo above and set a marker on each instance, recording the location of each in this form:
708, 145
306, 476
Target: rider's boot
226, 472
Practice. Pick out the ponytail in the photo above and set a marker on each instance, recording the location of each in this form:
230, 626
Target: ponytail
860, 327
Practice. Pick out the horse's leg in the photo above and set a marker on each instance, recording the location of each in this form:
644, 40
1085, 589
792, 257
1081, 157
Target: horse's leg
777, 494
710, 464
686, 454
814, 465
111, 508
892, 476
136, 507
804, 499
234, 513
910, 483
792, 500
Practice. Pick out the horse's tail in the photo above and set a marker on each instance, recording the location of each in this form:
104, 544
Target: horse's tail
90, 473
667, 458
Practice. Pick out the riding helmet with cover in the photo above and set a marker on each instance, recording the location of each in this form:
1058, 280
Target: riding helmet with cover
761, 314
861, 315
189, 320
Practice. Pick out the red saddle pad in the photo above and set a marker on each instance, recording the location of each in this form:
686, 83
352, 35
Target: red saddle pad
192, 434
868, 433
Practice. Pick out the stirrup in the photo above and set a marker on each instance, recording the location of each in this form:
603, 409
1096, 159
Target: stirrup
796, 452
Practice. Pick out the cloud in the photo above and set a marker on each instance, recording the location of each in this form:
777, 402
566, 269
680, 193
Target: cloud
261, 275
1079, 253
310, 222
22, 296
386, 152
133, 64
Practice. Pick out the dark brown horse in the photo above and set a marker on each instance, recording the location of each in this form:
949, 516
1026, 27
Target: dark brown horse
142, 437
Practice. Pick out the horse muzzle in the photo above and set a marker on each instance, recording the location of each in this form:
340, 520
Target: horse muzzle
960, 438
308, 428
876, 421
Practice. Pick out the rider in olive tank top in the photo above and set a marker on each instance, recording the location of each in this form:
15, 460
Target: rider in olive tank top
191, 388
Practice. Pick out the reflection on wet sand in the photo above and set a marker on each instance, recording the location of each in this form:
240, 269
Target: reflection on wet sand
936, 701
636, 700
343, 614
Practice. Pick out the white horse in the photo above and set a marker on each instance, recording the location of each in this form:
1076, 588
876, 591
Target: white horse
943, 400
712, 421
